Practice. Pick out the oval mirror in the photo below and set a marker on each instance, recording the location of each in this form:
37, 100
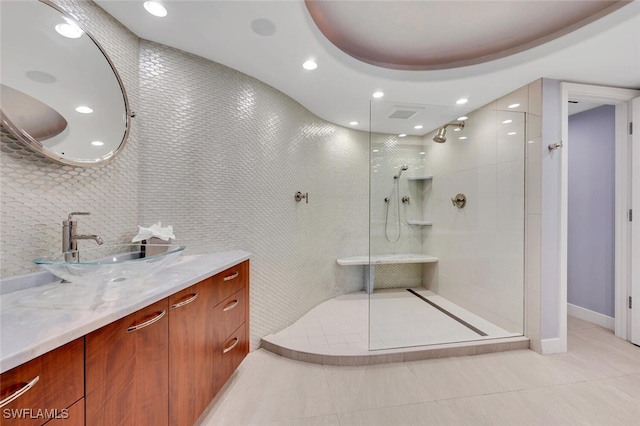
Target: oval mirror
60, 93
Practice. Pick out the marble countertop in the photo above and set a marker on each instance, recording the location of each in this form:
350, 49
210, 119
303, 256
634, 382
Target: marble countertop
382, 259
41, 318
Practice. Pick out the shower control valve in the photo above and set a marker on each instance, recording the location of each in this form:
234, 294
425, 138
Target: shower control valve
459, 201
299, 196
406, 200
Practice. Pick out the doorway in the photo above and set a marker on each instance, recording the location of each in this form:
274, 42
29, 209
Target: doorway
624, 275
591, 211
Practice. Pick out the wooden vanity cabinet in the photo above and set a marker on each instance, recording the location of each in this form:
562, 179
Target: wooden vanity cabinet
161, 365
190, 353
126, 370
57, 383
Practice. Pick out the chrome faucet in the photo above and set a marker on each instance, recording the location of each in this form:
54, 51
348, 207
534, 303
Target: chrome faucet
70, 237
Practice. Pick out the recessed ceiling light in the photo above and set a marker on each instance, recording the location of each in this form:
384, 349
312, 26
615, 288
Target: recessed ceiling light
69, 29
512, 106
418, 127
155, 8
263, 27
462, 101
507, 121
421, 153
353, 123
462, 138
376, 150
97, 143
464, 117
310, 65
84, 109
378, 94
402, 135
511, 133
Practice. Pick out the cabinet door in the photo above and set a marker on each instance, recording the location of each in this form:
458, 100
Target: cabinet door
46, 386
190, 353
73, 416
126, 370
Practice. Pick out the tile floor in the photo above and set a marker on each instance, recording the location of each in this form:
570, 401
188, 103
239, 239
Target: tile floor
596, 383
394, 319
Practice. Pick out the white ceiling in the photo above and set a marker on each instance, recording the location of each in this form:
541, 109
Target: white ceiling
604, 52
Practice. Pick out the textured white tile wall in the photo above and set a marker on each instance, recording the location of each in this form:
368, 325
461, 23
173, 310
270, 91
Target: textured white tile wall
36, 194
221, 158
388, 154
481, 247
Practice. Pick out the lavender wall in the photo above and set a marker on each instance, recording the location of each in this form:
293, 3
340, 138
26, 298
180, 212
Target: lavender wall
591, 210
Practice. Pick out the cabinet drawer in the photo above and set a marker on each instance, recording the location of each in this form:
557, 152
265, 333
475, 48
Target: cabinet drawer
229, 356
230, 281
228, 316
60, 383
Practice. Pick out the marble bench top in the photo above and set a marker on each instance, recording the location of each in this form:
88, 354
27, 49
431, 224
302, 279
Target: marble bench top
381, 259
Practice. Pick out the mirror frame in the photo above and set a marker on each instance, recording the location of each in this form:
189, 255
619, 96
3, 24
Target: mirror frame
36, 146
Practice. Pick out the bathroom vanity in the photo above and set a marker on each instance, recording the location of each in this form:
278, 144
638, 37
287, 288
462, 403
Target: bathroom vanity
158, 358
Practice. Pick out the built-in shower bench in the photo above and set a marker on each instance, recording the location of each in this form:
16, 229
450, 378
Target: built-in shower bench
370, 261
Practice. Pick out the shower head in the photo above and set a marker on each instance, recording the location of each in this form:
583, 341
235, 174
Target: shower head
402, 169
441, 136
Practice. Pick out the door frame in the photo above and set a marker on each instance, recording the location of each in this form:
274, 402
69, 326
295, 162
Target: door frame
620, 98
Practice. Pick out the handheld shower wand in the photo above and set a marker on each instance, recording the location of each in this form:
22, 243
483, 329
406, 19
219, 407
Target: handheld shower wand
395, 191
402, 169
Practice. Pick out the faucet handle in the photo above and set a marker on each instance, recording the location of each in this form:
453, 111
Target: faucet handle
78, 214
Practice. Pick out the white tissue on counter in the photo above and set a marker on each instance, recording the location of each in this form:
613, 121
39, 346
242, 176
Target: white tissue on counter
156, 230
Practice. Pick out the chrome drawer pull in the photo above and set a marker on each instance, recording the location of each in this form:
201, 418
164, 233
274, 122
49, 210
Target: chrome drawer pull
146, 323
17, 394
193, 297
231, 305
231, 277
235, 343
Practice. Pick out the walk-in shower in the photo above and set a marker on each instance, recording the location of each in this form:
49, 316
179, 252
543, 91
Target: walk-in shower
444, 266
439, 273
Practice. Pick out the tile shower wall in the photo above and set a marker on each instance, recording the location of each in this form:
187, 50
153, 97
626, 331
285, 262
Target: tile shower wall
480, 247
221, 158
389, 153
36, 194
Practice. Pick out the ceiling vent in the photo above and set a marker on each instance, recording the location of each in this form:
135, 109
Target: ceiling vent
404, 112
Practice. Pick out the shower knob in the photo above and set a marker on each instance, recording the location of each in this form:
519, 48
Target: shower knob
299, 196
459, 201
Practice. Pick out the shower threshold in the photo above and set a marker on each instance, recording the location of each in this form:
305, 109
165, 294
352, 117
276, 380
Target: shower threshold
394, 325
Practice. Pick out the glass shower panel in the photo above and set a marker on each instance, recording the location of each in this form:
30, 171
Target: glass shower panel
446, 225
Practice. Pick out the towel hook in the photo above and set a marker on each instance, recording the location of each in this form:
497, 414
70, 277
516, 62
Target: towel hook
554, 146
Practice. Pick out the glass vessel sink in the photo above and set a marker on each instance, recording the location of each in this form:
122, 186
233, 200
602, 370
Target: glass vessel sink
111, 263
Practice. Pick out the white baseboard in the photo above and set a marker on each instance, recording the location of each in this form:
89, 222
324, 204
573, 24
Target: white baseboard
553, 346
591, 316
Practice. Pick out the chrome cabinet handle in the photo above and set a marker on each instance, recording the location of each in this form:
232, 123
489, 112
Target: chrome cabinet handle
17, 394
193, 297
231, 305
231, 277
146, 323
235, 343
